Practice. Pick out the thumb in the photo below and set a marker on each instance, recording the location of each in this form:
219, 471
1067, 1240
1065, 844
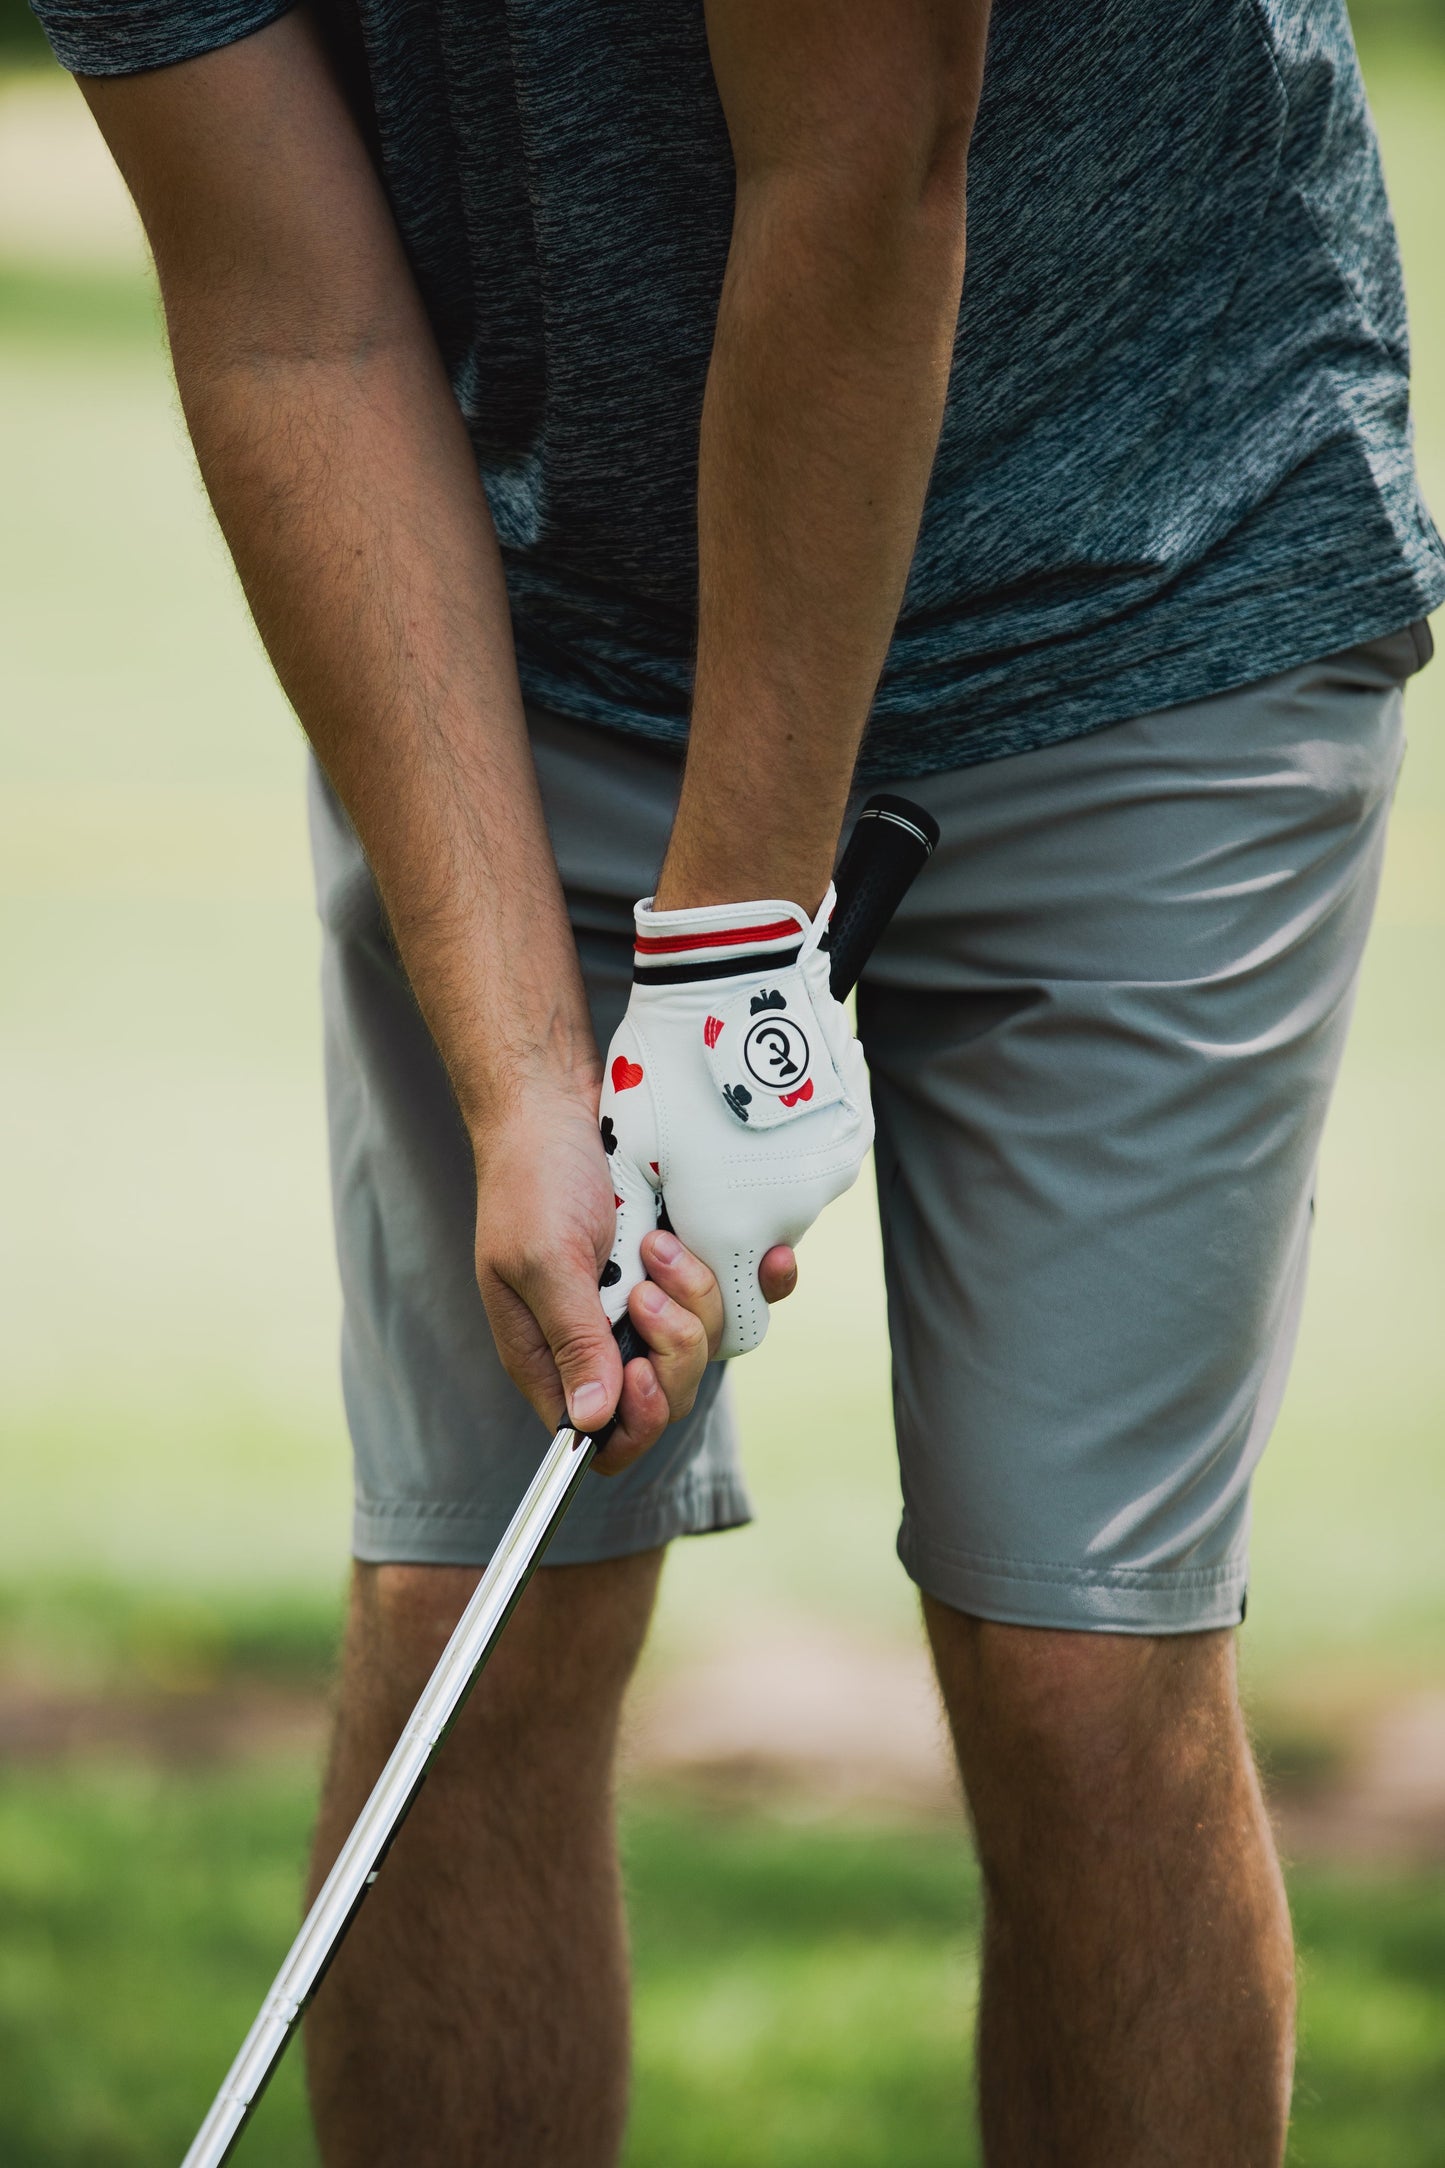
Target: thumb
579, 1336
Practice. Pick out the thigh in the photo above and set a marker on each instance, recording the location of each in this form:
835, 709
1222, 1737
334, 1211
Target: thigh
443, 1443
1103, 1034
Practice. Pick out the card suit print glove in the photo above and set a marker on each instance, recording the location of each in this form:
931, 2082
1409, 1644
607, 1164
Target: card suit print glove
735, 1091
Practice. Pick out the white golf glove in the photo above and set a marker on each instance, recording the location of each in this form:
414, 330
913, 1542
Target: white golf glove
735, 1090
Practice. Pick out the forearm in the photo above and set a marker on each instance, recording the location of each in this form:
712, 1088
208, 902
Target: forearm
347, 492
343, 478
824, 400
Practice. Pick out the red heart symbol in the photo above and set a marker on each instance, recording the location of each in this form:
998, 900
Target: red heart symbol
712, 1030
804, 1091
625, 1074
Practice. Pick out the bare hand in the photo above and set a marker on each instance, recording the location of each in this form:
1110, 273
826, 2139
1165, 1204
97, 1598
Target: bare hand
545, 1220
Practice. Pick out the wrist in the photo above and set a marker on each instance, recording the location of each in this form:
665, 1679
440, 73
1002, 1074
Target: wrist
559, 1071
710, 872
733, 841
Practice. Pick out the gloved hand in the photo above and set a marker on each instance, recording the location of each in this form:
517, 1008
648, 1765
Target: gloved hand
735, 1090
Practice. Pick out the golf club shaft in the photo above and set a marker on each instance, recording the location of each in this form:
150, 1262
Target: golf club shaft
565, 1463
889, 845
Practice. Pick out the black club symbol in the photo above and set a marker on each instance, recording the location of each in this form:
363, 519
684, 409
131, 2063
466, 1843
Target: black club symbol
609, 1136
739, 1098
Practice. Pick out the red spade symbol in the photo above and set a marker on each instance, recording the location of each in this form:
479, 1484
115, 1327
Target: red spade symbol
804, 1091
625, 1074
712, 1030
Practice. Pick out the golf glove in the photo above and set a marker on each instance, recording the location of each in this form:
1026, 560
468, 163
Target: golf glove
735, 1091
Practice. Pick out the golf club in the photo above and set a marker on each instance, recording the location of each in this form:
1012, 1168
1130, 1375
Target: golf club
889, 845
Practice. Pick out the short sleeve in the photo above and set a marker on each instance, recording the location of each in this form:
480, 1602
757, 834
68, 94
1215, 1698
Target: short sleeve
121, 37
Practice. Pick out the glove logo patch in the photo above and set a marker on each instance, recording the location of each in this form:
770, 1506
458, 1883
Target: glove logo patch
769, 1059
625, 1074
775, 1052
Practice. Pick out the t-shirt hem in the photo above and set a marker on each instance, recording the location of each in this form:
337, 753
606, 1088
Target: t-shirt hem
1364, 611
1167, 681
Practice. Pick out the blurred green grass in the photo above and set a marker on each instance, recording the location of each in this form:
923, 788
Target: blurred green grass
804, 1993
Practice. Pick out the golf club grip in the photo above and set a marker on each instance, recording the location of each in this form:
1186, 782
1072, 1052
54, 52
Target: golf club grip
890, 844
629, 1343
888, 848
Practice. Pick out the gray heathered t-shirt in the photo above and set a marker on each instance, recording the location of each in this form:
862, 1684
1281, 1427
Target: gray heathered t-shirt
1177, 450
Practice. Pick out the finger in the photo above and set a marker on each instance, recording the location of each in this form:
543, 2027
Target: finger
642, 1417
778, 1273
678, 1344
674, 1268
662, 1388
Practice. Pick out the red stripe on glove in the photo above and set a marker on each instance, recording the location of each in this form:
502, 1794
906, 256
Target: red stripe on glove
733, 937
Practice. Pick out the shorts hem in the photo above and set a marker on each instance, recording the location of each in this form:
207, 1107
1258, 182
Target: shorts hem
1124, 1600
416, 1532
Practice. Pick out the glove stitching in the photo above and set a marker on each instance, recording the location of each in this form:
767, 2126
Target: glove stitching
659, 1112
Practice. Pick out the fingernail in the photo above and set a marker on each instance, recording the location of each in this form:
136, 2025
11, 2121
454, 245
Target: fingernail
652, 1299
665, 1247
588, 1402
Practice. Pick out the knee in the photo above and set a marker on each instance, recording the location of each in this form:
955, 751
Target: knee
568, 1649
406, 1613
1084, 1733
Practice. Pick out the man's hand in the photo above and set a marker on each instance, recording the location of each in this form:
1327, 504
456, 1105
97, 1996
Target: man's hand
735, 1090
545, 1221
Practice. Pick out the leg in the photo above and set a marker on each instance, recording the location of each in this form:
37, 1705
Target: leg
1102, 1034
1138, 1978
478, 2010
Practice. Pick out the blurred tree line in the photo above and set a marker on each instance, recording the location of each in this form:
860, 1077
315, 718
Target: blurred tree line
21, 38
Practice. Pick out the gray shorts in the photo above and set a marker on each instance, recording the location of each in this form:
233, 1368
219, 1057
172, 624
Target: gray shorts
1102, 1031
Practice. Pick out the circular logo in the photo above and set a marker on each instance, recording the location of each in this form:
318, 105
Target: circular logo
775, 1053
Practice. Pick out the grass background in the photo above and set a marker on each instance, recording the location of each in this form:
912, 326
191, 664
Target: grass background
803, 1992
173, 1471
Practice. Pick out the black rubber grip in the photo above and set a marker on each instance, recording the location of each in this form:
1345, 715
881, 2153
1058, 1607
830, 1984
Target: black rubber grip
629, 1340
890, 845
888, 848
